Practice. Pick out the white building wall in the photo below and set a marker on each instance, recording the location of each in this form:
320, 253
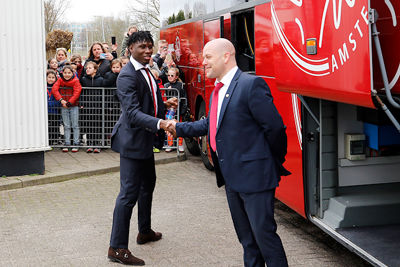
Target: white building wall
23, 100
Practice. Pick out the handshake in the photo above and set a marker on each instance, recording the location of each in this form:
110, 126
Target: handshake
169, 127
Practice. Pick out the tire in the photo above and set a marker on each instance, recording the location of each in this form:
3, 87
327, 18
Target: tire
202, 141
191, 142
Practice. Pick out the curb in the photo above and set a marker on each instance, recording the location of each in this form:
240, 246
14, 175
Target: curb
25, 181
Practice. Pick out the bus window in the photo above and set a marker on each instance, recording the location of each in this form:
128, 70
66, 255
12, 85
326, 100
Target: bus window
242, 34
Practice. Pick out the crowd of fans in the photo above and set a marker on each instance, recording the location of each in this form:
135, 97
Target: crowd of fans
66, 77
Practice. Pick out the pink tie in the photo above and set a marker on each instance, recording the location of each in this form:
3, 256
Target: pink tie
213, 116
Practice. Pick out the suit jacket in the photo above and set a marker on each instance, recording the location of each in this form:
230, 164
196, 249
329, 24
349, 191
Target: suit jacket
251, 137
135, 133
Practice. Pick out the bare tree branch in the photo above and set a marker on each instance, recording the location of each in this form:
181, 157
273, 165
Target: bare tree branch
145, 14
53, 12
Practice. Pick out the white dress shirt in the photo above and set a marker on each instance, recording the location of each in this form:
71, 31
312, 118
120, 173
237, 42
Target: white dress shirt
226, 80
139, 66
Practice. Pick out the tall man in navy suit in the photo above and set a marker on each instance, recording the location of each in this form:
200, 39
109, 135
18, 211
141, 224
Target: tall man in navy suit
134, 135
248, 147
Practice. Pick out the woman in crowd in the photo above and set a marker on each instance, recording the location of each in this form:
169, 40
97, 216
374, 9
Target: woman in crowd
61, 57
67, 90
97, 55
169, 63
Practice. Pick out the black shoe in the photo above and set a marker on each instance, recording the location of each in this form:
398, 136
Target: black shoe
150, 237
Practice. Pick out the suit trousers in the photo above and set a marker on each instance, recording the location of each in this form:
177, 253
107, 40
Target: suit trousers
138, 179
255, 226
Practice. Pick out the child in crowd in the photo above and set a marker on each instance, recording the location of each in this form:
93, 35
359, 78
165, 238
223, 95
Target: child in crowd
124, 60
112, 108
174, 82
110, 78
158, 80
77, 60
67, 90
160, 85
61, 57
52, 64
75, 68
91, 78
52, 106
92, 111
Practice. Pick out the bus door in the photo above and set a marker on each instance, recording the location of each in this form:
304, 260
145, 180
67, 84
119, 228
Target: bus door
242, 37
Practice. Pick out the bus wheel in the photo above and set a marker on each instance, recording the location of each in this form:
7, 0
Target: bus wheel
202, 142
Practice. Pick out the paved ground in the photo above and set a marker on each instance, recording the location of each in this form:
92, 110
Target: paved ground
69, 223
61, 166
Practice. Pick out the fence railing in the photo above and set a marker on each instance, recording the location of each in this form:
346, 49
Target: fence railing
99, 110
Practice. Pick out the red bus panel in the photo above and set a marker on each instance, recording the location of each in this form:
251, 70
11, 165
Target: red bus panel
341, 68
290, 190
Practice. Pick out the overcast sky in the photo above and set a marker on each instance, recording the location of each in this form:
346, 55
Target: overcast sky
85, 10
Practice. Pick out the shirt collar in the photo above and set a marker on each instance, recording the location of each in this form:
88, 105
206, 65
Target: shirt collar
226, 80
137, 65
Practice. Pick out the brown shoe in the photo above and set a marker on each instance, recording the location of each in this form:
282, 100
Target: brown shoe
124, 256
150, 237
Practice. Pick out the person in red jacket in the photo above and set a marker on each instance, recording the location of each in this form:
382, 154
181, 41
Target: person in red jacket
67, 90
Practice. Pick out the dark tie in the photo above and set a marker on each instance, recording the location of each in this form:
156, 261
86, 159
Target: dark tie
152, 92
213, 116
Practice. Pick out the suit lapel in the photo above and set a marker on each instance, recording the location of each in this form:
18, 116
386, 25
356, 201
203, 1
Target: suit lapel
140, 75
227, 97
147, 87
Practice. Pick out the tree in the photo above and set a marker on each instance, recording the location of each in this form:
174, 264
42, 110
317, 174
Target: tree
199, 9
111, 26
53, 13
146, 15
180, 16
57, 39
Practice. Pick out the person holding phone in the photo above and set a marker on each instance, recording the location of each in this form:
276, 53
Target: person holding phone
98, 55
110, 55
161, 54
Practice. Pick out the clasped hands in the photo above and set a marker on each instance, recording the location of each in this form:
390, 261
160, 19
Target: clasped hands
169, 126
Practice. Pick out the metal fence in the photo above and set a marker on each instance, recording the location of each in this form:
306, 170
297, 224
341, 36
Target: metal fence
99, 110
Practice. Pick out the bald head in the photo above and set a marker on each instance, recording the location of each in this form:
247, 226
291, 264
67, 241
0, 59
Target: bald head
221, 45
219, 58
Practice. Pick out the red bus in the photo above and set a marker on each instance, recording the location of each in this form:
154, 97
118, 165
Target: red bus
333, 68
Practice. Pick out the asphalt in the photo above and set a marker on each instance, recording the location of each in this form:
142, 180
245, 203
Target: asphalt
61, 166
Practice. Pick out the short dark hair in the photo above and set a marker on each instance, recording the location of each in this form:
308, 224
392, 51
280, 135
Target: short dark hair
139, 37
48, 72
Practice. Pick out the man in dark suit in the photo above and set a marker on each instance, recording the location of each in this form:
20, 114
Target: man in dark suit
248, 147
138, 129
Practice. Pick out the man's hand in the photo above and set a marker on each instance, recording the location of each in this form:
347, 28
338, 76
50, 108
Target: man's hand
169, 127
114, 47
171, 103
109, 56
